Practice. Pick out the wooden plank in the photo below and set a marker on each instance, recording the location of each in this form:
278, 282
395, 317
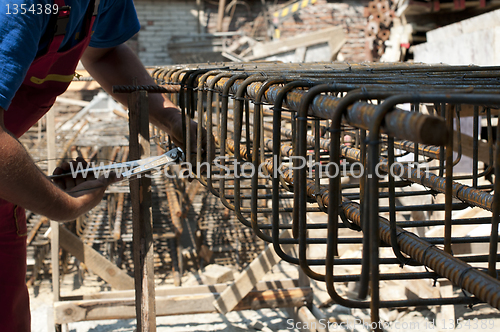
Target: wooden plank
247, 280
121, 114
117, 278
76, 311
320, 316
421, 288
34, 230
276, 298
445, 318
304, 318
71, 101
336, 42
273, 284
174, 206
466, 144
117, 226
198, 289
468, 110
334, 36
140, 193
51, 157
220, 15
189, 196
41, 252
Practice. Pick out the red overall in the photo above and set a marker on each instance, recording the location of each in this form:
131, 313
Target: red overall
48, 76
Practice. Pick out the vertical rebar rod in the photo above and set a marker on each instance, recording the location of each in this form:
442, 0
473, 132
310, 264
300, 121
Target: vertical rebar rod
140, 193
496, 211
475, 151
449, 180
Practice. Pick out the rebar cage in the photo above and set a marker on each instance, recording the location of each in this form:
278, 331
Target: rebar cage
376, 147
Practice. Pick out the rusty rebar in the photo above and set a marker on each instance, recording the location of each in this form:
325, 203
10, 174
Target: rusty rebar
323, 103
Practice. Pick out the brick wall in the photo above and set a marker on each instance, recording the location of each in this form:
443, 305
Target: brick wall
325, 14
244, 18
160, 19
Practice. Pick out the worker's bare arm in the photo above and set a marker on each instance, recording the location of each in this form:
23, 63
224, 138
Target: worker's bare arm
22, 183
119, 66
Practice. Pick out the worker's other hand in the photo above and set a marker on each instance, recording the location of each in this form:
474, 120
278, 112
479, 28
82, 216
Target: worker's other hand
176, 134
87, 191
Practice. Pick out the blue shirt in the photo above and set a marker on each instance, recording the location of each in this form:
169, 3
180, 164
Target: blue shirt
21, 35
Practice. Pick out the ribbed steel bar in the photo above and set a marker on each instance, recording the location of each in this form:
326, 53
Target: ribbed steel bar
412, 126
286, 150
477, 282
326, 110
470, 195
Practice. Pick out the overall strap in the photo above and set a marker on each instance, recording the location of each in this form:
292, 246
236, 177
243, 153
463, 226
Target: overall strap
62, 19
90, 16
96, 7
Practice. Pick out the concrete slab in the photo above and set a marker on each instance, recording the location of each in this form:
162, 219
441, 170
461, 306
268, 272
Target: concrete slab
478, 23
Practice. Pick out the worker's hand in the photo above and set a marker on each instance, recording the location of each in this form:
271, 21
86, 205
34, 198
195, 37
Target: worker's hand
72, 180
87, 191
176, 134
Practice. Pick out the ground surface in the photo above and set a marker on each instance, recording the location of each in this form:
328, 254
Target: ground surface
41, 297
481, 318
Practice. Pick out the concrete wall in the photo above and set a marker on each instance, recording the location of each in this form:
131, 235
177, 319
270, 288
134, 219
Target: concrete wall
160, 19
472, 41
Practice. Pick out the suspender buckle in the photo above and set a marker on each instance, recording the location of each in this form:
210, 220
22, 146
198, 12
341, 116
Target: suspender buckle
96, 7
62, 20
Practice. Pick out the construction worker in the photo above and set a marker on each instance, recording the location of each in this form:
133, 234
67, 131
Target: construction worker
41, 42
